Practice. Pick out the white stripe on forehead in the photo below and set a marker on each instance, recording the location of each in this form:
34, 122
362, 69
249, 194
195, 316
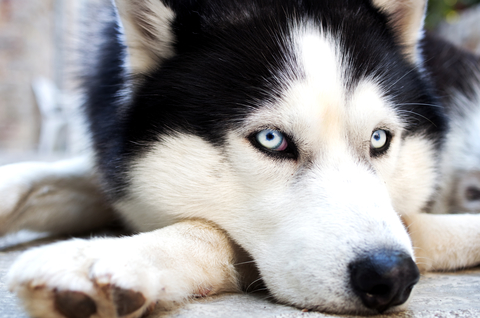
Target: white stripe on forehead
319, 96
317, 108
324, 91
318, 54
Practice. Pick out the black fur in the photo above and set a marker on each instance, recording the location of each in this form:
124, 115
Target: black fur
102, 85
228, 57
453, 71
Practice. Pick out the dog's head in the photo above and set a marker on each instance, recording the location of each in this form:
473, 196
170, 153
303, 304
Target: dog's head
303, 128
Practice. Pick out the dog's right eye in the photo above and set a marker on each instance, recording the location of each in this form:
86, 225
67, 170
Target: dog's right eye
274, 143
272, 140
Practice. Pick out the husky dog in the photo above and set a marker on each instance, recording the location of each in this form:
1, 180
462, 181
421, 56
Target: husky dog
308, 136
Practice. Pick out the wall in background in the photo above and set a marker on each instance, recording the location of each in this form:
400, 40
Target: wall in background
37, 41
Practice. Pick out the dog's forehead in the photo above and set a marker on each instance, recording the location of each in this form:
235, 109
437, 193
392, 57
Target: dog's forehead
323, 101
304, 59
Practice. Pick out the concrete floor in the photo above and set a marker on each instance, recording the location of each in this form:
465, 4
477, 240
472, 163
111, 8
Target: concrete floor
436, 295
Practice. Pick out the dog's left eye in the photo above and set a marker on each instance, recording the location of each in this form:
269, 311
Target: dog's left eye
272, 140
380, 141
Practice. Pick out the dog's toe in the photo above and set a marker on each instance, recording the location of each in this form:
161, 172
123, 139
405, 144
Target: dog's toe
72, 304
127, 301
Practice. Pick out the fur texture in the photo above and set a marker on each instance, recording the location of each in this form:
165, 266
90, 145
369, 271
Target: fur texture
315, 134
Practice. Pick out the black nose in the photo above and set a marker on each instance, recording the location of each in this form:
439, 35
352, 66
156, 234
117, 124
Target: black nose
384, 279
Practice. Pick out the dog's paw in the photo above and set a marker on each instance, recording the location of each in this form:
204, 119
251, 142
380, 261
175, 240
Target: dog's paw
82, 279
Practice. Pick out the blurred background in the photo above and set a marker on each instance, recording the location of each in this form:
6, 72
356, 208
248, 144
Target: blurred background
38, 98
38, 41
446, 10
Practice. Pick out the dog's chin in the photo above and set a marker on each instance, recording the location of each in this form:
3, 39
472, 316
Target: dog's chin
339, 306
356, 309
397, 309
347, 306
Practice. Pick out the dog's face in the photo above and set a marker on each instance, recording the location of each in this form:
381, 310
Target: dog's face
303, 129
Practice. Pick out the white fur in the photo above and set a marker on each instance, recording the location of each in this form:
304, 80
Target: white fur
445, 242
95, 267
303, 221
413, 181
318, 210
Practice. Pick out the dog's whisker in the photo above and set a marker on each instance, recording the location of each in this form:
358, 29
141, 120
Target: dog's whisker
258, 290
399, 79
417, 114
252, 283
243, 263
419, 104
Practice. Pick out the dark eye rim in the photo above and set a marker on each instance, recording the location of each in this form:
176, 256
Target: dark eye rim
377, 152
290, 152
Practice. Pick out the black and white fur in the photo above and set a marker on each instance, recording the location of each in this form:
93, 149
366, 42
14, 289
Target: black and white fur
177, 96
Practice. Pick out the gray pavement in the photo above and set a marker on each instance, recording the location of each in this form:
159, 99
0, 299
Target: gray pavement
437, 295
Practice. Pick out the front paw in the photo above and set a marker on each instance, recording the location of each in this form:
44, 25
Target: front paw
97, 278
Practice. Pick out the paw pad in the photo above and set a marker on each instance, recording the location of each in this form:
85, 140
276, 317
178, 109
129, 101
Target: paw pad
127, 301
73, 304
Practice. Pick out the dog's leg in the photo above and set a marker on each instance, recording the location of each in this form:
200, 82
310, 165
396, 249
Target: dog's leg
58, 197
125, 277
445, 241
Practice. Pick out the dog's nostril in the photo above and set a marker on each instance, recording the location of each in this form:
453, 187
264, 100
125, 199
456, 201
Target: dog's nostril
379, 290
384, 279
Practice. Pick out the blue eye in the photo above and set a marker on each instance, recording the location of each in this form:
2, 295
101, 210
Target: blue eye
272, 140
379, 139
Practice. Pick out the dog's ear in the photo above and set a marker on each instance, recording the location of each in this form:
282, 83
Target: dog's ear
147, 25
406, 18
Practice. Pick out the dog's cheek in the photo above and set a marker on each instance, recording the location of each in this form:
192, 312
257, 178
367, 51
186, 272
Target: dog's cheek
412, 181
183, 176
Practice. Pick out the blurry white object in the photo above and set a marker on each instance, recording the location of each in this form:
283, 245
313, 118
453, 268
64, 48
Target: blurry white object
53, 116
62, 123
